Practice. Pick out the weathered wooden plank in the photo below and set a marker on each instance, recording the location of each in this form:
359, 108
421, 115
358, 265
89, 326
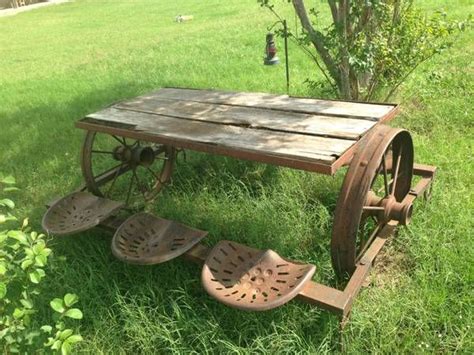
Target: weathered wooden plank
291, 145
330, 126
368, 111
321, 167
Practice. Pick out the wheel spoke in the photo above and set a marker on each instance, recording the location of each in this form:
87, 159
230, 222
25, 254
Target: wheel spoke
113, 181
130, 187
102, 171
122, 142
107, 172
139, 184
153, 173
395, 174
373, 208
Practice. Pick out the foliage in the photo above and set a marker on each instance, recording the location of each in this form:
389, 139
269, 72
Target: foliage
371, 47
23, 258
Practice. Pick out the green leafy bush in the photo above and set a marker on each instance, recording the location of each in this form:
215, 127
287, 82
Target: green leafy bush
24, 257
370, 47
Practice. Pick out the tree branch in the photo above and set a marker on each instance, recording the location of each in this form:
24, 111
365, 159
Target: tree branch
316, 37
334, 12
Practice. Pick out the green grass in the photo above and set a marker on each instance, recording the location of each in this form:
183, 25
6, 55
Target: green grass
61, 62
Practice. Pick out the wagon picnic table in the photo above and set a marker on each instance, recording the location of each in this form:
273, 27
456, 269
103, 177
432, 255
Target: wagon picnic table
130, 150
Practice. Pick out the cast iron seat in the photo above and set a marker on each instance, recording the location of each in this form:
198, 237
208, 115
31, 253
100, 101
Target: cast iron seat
78, 212
252, 279
146, 239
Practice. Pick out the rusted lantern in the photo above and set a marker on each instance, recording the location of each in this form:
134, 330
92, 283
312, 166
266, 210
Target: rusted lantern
270, 51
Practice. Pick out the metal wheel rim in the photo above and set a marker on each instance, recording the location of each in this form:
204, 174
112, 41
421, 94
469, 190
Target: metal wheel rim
363, 171
90, 177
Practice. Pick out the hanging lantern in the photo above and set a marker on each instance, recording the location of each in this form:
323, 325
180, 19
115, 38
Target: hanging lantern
270, 51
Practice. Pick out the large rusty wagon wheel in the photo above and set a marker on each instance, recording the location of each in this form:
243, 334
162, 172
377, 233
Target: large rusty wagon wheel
124, 169
377, 181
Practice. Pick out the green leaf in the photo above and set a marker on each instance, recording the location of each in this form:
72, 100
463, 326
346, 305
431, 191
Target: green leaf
3, 332
66, 348
3, 269
10, 189
31, 335
67, 344
50, 339
29, 253
18, 313
58, 305
27, 304
70, 299
3, 290
56, 345
9, 339
41, 260
74, 313
46, 328
18, 235
8, 180
66, 333
6, 218
76, 338
36, 275
7, 203
25, 223
14, 349
25, 264
39, 247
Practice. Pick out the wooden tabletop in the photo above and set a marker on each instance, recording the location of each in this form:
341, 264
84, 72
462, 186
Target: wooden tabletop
309, 134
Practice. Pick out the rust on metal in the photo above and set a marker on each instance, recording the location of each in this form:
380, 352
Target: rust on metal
252, 279
78, 212
146, 239
128, 159
363, 208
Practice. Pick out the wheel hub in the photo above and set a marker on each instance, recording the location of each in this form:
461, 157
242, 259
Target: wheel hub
388, 208
134, 156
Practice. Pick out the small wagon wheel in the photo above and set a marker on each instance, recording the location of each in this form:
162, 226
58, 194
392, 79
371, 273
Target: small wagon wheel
125, 169
377, 181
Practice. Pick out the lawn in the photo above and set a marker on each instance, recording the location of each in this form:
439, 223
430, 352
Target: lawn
61, 62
